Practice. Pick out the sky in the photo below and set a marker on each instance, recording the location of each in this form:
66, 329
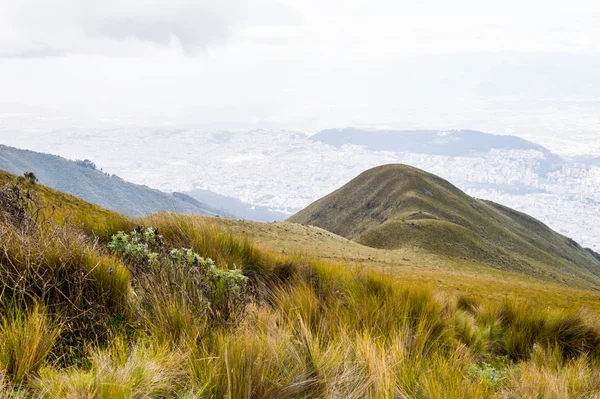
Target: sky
524, 67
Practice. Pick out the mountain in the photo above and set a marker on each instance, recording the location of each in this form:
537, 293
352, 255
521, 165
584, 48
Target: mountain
397, 206
234, 208
447, 142
215, 210
82, 179
88, 305
283, 171
433, 142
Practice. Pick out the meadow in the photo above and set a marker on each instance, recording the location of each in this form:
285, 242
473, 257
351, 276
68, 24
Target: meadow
98, 305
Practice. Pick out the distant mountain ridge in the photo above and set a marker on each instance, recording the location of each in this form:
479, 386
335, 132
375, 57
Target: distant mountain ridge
81, 179
234, 208
435, 142
397, 206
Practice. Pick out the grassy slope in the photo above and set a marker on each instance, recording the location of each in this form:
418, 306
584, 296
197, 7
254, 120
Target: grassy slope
411, 264
93, 185
400, 207
324, 329
64, 208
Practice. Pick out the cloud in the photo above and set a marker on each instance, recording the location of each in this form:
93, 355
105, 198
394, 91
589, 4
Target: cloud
31, 28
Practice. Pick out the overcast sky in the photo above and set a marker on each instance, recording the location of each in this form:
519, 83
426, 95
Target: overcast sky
302, 64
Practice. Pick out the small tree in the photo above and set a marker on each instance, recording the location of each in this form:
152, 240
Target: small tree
86, 163
31, 177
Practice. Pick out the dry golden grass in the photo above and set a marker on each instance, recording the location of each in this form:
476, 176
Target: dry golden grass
26, 338
414, 266
329, 319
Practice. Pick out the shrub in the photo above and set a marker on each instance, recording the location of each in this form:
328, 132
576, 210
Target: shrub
225, 290
220, 294
140, 247
86, 163
16, 206
31, 177
495, 373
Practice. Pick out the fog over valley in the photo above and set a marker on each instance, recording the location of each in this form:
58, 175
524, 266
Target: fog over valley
284, 171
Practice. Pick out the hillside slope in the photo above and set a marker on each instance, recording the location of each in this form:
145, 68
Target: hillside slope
409, 265
100, 311
93, 185
397, 206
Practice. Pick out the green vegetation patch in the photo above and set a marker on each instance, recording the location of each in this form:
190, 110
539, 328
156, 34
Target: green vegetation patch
146, 313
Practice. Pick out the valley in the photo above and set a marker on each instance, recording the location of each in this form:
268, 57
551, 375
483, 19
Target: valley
286, 170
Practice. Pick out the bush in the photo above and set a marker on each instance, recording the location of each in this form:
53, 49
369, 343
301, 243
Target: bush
86, 163
140, 247
225, 290
494, 373
202, 287
16, 206
30, 176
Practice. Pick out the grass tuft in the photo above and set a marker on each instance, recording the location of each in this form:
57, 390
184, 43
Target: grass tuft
26, 339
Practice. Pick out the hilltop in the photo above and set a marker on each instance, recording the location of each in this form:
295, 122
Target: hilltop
397, 206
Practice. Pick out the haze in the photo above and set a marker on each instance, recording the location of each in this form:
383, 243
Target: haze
526, 68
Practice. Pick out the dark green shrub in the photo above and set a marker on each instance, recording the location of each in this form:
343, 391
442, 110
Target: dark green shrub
31, 177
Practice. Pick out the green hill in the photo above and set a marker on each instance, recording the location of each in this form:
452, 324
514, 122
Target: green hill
80, 178
187, 306
398, 206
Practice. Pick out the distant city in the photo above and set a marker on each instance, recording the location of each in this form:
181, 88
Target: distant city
283, 171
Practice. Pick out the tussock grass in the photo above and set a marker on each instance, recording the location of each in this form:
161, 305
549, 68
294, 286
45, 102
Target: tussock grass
250, 363
8, 390
223, 247
70, 275
118, 372
26, 338
549, 376
42, 262
229, 250
314, 329
64, 209
171, 318
523, 327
